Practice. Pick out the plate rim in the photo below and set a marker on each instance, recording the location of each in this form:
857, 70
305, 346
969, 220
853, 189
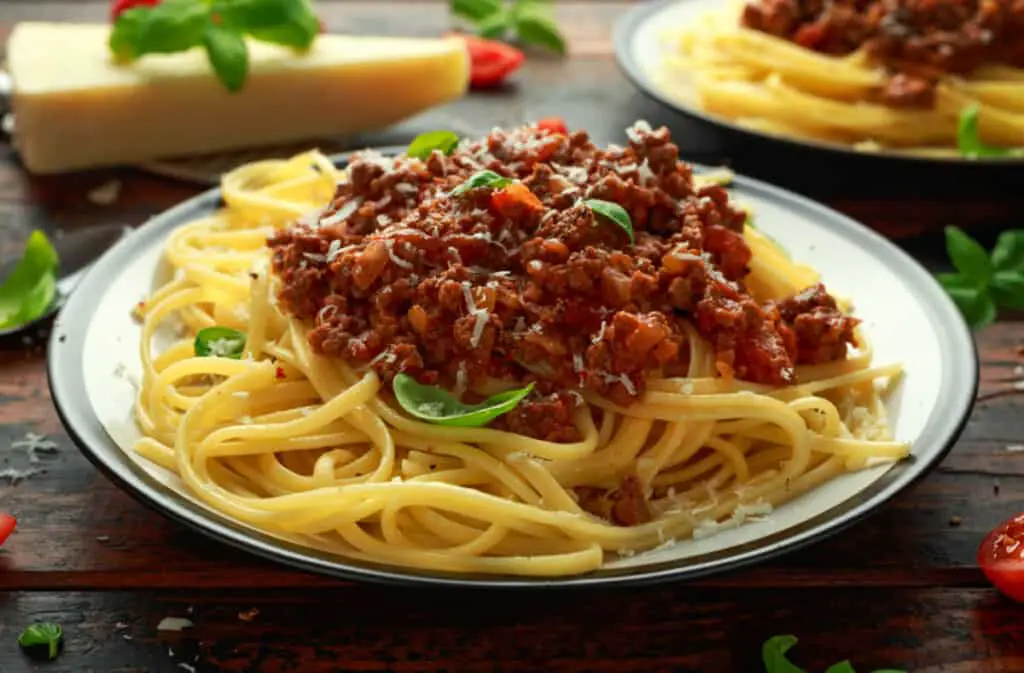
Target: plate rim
943, 427
622, 38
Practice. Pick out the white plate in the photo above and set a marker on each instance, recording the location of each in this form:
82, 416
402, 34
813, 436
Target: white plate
639, 48
94, 365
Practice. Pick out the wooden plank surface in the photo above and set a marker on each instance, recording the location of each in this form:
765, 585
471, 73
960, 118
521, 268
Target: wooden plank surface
900, 589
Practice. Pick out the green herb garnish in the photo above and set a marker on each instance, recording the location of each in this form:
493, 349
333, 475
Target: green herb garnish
982, 283
613, 212
773, 654
529, 21
424, 144
969, 142
436, 405
31, 288
43, 635
221, 342
482, 179
218, 26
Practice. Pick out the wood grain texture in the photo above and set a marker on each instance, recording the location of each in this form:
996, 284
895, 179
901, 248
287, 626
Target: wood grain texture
899, 589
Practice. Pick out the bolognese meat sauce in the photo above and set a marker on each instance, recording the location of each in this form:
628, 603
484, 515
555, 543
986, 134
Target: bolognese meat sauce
526, 283
918, 40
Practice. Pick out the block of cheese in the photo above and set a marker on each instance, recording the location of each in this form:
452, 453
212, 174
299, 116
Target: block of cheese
75, 108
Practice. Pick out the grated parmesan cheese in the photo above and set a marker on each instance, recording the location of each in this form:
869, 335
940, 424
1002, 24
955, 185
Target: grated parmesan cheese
14, 476
174, 624
35, 444
342, 213
638, 130
390, 245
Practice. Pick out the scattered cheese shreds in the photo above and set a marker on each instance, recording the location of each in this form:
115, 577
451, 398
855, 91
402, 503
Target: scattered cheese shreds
106, 194
15, 476
174, 624
35, 444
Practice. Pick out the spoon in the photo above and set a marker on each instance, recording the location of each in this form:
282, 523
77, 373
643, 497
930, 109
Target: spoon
77, 251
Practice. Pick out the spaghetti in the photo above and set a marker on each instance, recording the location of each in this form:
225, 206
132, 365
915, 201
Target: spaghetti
299, 434
871, 75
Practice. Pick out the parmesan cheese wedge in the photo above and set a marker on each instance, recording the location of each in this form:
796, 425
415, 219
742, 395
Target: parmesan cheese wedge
75, 108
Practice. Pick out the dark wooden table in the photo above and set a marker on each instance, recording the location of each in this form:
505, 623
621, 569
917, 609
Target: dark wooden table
900, 589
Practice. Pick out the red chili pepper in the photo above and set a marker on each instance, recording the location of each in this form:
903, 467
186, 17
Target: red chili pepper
553, 125
279, 373
7, 523
121, 6
490, 61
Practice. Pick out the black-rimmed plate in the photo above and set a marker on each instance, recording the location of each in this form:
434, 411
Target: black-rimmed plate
638, 41
94, 367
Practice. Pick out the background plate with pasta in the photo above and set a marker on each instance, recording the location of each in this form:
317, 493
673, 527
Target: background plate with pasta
687, 55
95, 368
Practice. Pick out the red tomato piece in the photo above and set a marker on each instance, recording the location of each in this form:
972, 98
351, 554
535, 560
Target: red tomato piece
514, 199
553, 125
7, 523
490, 61
1001, 557
120, 6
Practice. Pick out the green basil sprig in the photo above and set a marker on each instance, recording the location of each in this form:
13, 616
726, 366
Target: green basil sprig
31, 288
773, 654
984, 283
45, 636
482, 179
424, 144
613, 212
222, 342
217, 26
438, 406
529, 21
969, 142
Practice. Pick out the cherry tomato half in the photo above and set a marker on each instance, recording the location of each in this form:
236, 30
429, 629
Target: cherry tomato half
553, 125
1001, 557
7, 523
490, 61
118, 7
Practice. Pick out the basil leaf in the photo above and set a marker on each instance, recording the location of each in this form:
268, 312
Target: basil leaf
773, 654
172, 26
1007, 288
482, 179
124, 37
1008, 254
975, 304
45, 634
435, 405
841, 667
228, 55
291, 23
475, 10
221, 342
613, 212
425, 143
968, 257
535, 27
494, 26
30, 289
968, 138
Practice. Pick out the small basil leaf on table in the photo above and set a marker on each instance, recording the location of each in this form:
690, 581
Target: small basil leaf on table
482, 179
475, 10
43, 635
1008, 254
613, 212
30, 289
841, 667
172, 26
425, 143
493, 27
436, 405
221, 342
968, 138
975, 303
228, 55
1007, 288
773, 654
535, 26
968, 256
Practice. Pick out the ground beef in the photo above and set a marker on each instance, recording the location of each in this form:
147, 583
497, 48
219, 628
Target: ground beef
526, 283
918, 40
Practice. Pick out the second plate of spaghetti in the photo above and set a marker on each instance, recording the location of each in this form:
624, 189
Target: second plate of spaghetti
516, 360
928, 81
